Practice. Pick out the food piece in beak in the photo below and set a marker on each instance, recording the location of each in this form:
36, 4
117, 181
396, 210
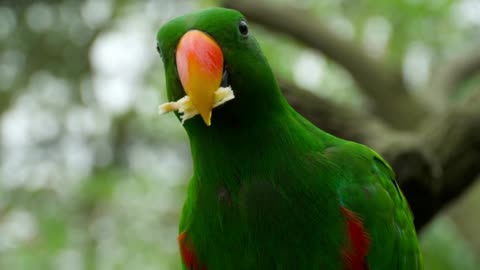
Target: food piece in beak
186, 108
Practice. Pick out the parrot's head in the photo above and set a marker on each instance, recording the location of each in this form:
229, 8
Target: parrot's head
212, 59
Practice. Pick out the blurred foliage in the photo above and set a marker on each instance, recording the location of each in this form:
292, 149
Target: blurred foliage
92, 178
444, 248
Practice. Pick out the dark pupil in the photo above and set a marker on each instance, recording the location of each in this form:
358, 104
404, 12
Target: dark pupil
158, 50
243, 28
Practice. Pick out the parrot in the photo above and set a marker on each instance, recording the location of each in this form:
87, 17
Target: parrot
269, 189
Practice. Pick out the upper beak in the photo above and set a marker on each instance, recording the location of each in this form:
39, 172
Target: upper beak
200, 68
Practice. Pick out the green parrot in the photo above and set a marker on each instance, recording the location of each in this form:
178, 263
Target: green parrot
269, 189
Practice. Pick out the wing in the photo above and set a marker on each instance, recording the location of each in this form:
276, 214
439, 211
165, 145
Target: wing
377, 214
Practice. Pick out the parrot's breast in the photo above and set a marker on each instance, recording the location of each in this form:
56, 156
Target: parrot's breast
269, 221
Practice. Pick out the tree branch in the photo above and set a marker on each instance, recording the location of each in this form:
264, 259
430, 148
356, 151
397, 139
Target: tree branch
450, 75
382, 84
431, 172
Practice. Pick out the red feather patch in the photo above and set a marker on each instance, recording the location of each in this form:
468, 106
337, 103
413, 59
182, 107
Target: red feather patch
188, 254
356, 250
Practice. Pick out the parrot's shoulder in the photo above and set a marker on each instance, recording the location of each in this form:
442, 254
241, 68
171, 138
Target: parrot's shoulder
360, 164
366, 181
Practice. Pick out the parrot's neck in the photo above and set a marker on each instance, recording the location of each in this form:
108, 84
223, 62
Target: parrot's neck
260, 144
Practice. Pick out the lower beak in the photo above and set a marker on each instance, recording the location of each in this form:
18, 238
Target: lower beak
200, 67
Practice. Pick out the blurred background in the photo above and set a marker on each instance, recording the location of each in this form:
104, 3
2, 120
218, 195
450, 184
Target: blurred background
92, 178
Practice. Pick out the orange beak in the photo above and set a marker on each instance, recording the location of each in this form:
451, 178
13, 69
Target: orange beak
200, 68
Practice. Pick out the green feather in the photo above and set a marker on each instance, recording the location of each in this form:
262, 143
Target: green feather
268, 185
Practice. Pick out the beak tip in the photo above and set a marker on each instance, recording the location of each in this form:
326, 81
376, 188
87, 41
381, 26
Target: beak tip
207, 117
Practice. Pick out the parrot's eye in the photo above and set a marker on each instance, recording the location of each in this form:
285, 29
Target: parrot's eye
158, 50
243, 28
